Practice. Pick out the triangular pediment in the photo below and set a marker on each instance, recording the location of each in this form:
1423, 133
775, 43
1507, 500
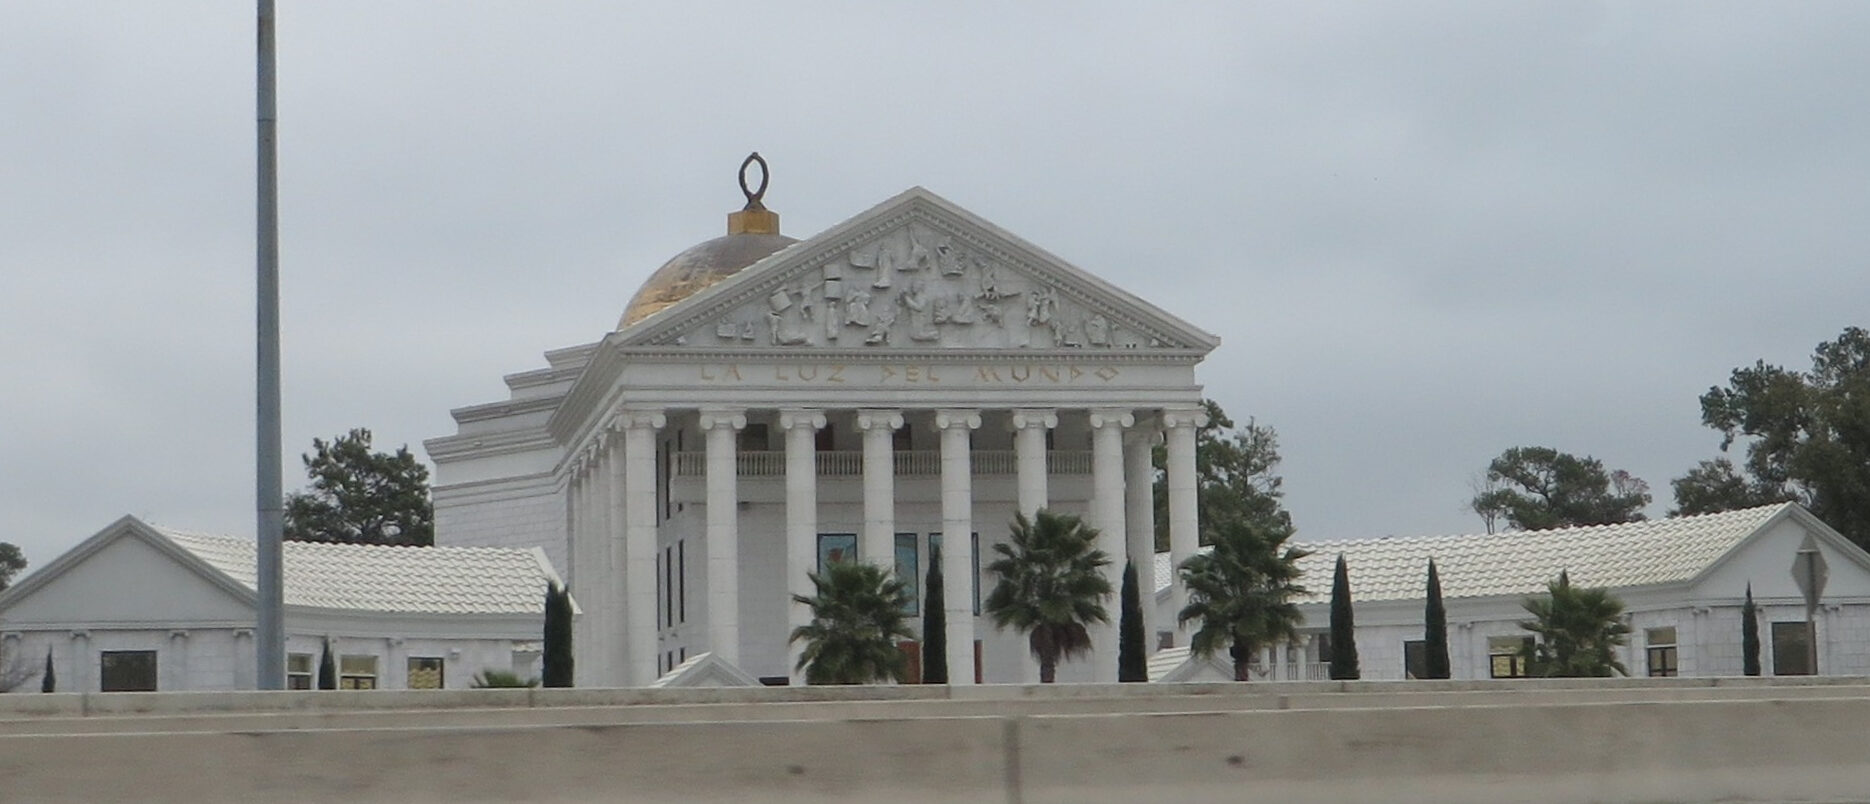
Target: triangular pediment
915, 273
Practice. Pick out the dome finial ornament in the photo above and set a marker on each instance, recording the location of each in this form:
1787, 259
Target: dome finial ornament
754, 196
754, 218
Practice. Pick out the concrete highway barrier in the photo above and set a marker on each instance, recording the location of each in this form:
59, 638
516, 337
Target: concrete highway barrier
1436, 741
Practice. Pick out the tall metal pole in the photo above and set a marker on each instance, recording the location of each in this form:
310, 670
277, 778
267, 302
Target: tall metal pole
270, 639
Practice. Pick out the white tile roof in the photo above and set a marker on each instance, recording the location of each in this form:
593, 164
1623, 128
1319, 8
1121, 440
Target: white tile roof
421, 580
1522, 562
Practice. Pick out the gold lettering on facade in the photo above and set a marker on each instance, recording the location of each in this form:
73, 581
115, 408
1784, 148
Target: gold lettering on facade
986, 374
1020, 373
808, 372
837, 374
1049, 374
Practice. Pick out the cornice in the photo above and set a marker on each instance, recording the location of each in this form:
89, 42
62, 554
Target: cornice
689, 355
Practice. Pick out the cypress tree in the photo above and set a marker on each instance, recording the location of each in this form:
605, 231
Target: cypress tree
327, 669
1435, 632
1132, 658
1343, 632
935, 625
557, 658
1750, 635
49, 682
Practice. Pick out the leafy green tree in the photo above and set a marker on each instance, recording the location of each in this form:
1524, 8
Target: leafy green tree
1534, 488
857, 617
1242, 593
359, 496
935, 625
1807, 437
1576, 632
1132, 654
557, 657
1236, 478
1750, 635
327, 669
48, 680
1051, 586
1435, 628
1343, 626
12, 562
1715, 486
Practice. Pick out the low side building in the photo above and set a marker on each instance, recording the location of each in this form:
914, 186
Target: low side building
138, 607
1682, 581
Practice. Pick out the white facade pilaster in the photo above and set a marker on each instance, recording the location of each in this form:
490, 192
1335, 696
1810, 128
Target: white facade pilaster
1184, 522
801, 428
1139, 505
1108, 518
957, 514
877, 544
616, 633
639, 553
723, 531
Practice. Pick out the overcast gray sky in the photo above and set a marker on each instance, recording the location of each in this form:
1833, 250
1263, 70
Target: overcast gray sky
1425, 232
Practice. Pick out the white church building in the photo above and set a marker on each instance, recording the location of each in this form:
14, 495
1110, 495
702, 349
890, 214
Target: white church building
764, 405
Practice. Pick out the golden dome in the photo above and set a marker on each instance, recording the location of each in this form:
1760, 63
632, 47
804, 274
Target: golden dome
752, 234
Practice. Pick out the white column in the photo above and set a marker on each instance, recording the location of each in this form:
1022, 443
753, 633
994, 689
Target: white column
1029, 455
957, 519
1108, 518
877, 545
639, 537
1029, 429
723, 528
1139, 505
1184, 522
801, 428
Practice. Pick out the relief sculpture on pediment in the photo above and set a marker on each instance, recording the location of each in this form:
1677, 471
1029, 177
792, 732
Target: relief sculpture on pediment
918, 285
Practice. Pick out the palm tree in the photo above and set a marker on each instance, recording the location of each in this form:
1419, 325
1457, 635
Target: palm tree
857, 616
1051, 586
1578, 631
1242, 593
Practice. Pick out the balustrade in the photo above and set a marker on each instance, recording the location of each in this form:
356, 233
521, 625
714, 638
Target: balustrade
907, 463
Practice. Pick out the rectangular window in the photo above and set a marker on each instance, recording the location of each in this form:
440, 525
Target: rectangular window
681, 581
1322, 642
1506, 656
835, 547
902, 438
825, 440
662, 591
908, 570
357, 672
1792, 649
425, 672
1661, 651
1415, 659
935, 544
298, 671
668, 587
127, 671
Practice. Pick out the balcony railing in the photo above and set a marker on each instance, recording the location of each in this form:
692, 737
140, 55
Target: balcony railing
907, 463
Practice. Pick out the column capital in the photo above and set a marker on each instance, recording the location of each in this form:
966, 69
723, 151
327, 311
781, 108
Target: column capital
1175, 418
734, 418
1046, 418
874, 419
801, 418
639, 419
1109, 417
951, 419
